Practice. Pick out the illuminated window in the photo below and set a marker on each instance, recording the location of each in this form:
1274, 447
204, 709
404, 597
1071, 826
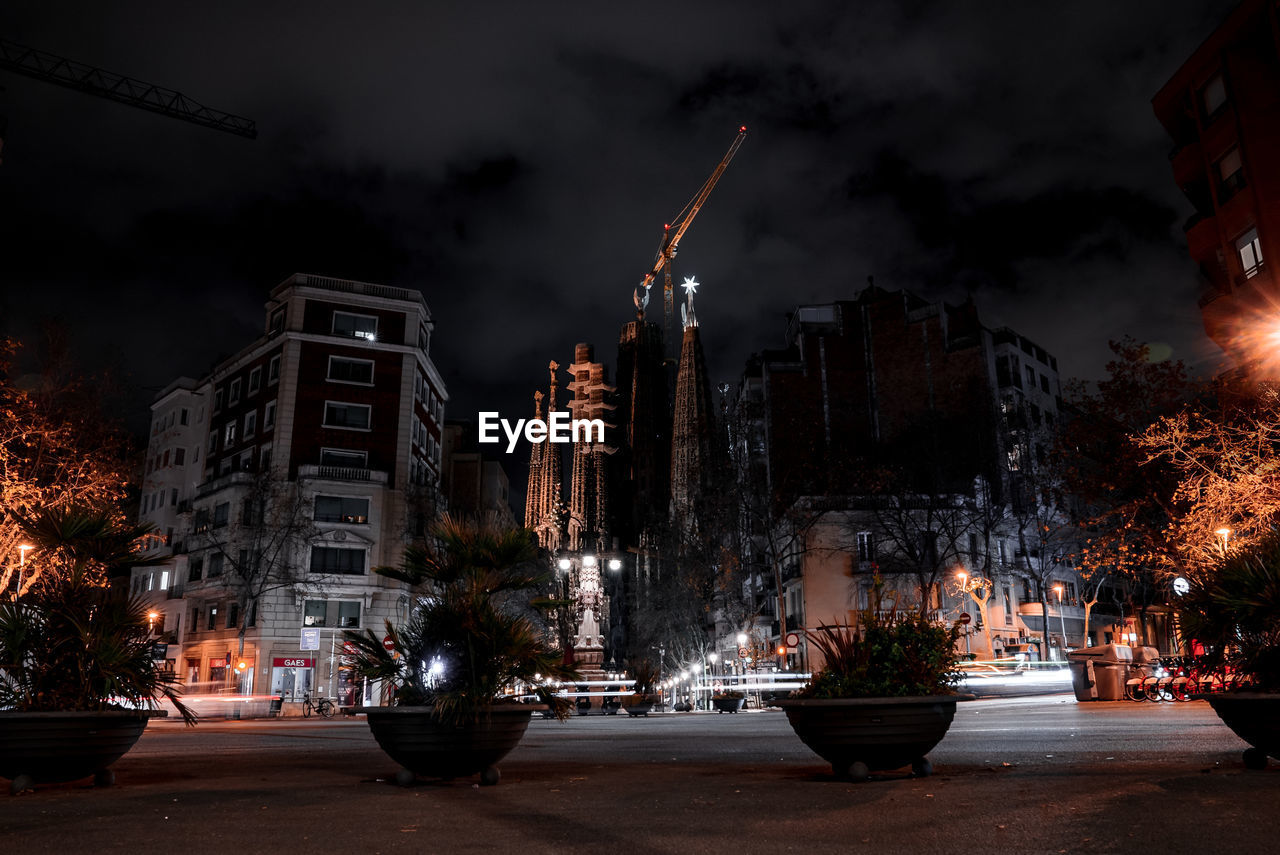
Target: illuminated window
355, 326
1250, 253
1214, 96
342, 509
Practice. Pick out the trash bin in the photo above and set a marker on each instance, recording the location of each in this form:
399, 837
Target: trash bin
1098, 673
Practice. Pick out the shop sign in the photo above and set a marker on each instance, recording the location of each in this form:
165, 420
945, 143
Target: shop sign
286, 662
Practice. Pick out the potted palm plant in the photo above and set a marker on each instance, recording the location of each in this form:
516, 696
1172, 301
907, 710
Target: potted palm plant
1235, 614
470, 641
77, 677
886, 693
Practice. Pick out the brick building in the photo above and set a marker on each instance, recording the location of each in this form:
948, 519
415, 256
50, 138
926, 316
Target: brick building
299, 463
1222, 109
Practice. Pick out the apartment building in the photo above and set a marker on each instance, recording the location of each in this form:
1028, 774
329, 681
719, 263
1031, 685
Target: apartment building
306, 459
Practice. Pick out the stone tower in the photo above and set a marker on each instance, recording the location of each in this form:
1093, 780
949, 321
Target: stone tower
543, 503
590, 526
693, 425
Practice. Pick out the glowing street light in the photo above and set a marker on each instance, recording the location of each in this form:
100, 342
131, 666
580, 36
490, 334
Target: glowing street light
1224, 535
1063, 620
615, 564
564, 563
23, 549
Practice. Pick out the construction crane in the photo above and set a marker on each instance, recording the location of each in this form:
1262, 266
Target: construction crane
95, 81
672, 232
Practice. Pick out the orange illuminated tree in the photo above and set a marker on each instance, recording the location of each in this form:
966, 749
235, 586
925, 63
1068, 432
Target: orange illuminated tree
1227, 460
56, 451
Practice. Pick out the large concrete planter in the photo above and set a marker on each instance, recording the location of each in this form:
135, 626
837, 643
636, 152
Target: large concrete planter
56, 747
727, 705
1255, 718
858, 736
413, 737
637, 705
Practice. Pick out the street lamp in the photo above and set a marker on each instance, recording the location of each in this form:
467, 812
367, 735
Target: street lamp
1062, 619
1224, 535
151, 622
23, 549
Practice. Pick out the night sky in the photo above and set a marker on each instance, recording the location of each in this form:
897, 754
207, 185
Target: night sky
516, 162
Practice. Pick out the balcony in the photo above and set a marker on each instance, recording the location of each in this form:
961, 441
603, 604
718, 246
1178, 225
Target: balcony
341, 473
222, 482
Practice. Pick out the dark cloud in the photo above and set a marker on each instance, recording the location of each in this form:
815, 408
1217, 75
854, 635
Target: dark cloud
517, 161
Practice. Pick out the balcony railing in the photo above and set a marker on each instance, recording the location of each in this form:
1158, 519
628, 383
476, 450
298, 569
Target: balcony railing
341, 473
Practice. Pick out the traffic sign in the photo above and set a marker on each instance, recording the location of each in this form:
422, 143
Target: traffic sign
388, 642
310, 640
742, 653
793, 639
965, 617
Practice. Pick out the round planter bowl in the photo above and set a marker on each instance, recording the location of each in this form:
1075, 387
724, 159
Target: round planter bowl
637, 705
1255, 718
413, 737
729, 705
862, 735
56, 747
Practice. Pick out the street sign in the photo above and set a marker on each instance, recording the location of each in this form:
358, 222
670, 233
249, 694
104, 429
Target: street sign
742, 653
310, 640
965, 617
793, 639
388, 642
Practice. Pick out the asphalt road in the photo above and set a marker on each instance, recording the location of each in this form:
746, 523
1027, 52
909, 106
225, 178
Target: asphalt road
1039, 774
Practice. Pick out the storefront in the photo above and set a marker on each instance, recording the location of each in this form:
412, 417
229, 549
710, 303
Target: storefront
292, 677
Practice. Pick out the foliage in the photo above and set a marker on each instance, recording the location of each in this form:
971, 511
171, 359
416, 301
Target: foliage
645, 674
1123, 495
57, 450
73, 642
1227, 461
1235, 613
473, 580
731, 695
885, 653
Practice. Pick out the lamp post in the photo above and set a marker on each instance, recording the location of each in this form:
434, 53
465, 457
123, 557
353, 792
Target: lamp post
1224, 536
1062, 620
23, 549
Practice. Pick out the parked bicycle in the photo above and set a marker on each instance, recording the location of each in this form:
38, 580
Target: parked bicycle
322, 707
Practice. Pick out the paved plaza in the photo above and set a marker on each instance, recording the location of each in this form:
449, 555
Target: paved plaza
1040, 774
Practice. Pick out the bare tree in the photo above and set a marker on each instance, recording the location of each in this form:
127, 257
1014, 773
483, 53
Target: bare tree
259, 544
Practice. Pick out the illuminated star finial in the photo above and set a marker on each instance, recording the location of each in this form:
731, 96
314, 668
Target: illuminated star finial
690, 285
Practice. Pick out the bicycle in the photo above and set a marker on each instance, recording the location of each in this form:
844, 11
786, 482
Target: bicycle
322, 707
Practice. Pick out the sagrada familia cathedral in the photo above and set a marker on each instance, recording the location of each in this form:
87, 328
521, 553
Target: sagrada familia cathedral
625, 494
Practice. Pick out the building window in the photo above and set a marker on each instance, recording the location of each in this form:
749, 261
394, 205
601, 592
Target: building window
355, 326
246, 461
173, 497
341, 509
1008, 605
217, 400
273, 370
1213, 97
344, 370
1230, 175
183, 419
269, 415
224, 466
229, 435
179, 456
336, 561
233, 395
216, 562
276, 325
213, 617
1044, 384
1250, 251
348, 614
346, 416
344, 458
314, 612
221, 515
195, 570
866, 547
233, 615
250, 424
255, 380
264, 457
